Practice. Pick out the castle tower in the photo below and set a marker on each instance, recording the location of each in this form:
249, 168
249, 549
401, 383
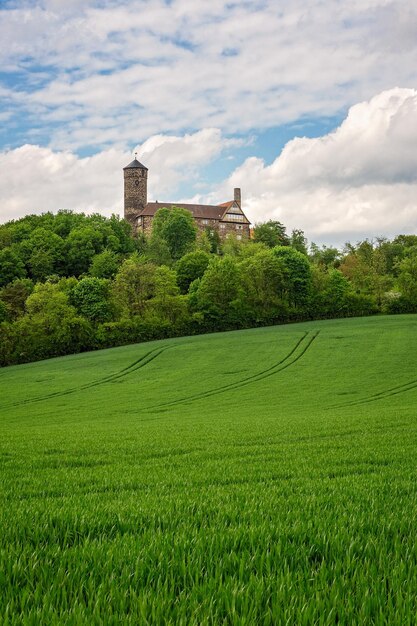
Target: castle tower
136, 191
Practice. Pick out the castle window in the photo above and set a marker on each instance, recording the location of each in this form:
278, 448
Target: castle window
238, 226
222, 225
205, 221
235, 217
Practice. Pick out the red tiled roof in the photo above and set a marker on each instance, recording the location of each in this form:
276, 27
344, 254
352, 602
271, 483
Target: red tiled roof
202, 211
198, 210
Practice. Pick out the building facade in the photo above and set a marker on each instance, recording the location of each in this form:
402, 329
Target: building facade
224, 218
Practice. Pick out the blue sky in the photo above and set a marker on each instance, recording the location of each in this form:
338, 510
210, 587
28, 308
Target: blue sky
271, 95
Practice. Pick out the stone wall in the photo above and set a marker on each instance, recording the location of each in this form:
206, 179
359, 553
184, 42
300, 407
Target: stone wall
241, 230
135, 190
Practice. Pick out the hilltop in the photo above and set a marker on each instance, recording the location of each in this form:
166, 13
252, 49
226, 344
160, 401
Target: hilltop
72, 283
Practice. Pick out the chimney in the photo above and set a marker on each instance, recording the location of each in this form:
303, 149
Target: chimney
238, 197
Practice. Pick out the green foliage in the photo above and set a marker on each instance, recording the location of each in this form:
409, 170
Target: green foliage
51, 327
134, 285
325, 257
219, 289
82, 245
407, 277
263, 276
256, 477
167, 304
4, 314
11, 266
255, 285
44, 252
232, 246
190, 267
90, 296
332, 296
204, 241
299, 242
271, 233
298, 276
105, 264
62, 244
14, 296
366, 266
177, 228
213, 239
157, 251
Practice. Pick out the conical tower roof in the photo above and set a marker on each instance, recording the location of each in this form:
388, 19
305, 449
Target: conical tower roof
135, 165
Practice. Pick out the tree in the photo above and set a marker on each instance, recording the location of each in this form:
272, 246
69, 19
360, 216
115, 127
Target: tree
190, 267
407, 278
263, 277
3, 312
51, 326
82, 244
203, 241
167, 304
325, 256
14, 296
366, 266
177, 227
214, 240
11, 266
90, 296
332, 290
299, 241
271, 233
297, 273
45, 250
232, 246
157, 251
134, 286
105, 264
219, 289
41, 264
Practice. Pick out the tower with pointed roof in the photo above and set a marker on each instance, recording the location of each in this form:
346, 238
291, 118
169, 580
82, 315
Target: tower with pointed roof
135, 191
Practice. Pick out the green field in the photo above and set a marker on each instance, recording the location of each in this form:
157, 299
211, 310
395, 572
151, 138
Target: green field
266, 476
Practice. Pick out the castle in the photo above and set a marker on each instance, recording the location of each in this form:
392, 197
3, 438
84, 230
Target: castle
224, 218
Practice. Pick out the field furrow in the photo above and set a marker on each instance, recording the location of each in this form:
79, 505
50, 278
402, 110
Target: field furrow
204, 480
292, 357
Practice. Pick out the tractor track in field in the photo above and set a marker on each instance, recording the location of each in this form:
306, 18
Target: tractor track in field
381, 395
300, 348
133, 367
292, 357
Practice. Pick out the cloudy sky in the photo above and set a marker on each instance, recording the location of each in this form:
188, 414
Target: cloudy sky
310, 106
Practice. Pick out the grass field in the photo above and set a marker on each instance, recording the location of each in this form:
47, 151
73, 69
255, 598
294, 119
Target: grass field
261, 477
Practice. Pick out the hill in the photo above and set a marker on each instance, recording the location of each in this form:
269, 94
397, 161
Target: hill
252, 477
73, 283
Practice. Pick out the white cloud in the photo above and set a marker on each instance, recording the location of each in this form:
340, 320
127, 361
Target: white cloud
133, 68
358, 181
35, 179
172, 160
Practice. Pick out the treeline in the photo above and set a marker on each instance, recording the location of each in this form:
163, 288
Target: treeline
71, 282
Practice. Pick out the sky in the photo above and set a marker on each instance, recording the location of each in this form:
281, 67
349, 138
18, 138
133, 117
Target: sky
310, 106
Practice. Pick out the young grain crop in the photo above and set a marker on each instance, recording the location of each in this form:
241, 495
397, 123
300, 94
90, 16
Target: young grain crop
232, 479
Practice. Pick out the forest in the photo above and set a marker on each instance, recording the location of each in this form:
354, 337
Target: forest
71, 282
